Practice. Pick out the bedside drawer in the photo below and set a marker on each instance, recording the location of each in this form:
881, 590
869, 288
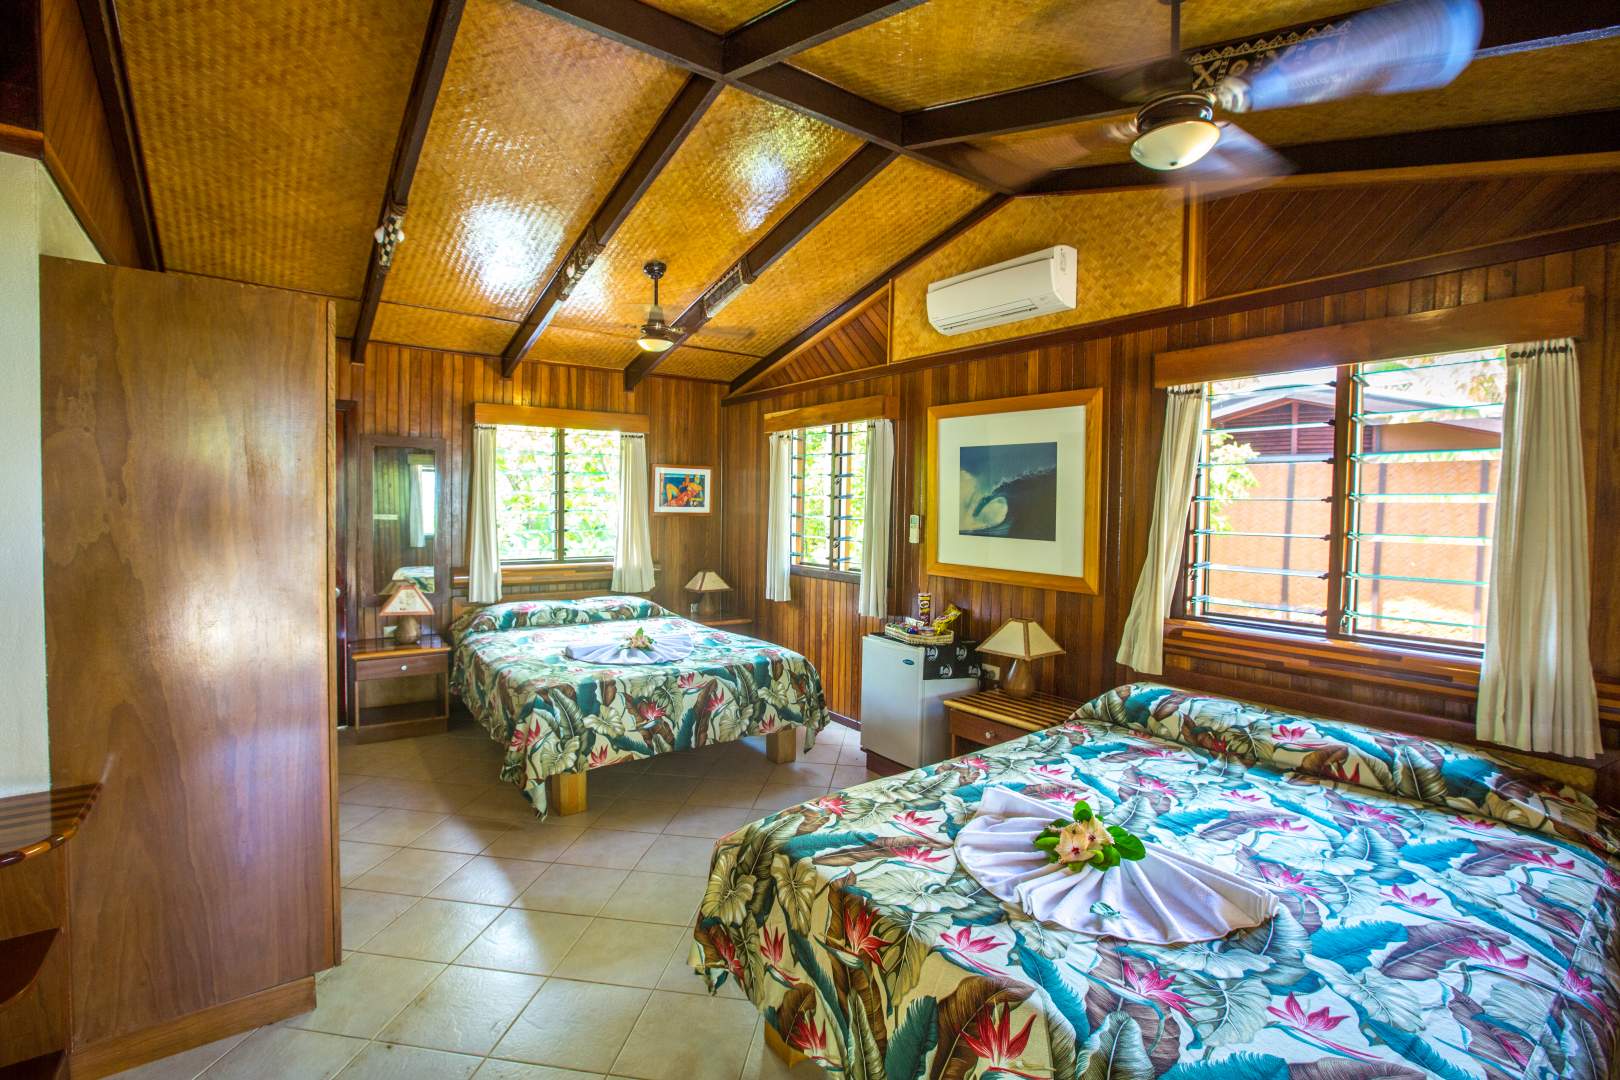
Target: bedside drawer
976, 729
397, 667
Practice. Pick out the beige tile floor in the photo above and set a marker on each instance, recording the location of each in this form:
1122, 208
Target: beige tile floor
479, 942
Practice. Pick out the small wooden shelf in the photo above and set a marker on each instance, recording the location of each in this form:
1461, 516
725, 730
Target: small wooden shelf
989, 717
21, 959
34, 823
376, 660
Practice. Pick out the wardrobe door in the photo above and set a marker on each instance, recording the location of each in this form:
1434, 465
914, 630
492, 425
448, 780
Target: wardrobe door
186, 426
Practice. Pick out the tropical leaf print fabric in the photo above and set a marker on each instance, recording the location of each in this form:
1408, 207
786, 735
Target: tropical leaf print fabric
519, 614
1442, 915
555, 714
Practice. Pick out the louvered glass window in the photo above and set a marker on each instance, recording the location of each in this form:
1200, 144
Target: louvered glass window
829, 497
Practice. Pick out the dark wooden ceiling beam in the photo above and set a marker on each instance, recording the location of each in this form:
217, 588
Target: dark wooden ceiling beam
811, 211
1509, 26
803, 24
1557, 136
860, 296
678, 120
106, 43
437, 42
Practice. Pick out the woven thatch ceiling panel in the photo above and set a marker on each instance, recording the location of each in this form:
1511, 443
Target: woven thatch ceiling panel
268, 128
947, 50
746, 164
901, 209
720, 16
593, 348
534, 123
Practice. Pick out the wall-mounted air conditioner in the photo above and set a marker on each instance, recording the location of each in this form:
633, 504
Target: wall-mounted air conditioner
1034, 284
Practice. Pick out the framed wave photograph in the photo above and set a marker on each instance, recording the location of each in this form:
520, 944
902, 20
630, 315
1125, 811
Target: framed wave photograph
682, 489
1015, 490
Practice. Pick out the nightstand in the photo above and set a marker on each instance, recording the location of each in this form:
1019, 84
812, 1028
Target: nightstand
991, 716
376, 660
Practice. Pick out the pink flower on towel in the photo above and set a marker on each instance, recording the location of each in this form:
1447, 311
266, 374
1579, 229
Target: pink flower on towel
1295, 1016
1489, 952
1422, 900
1151, 983
1078, 841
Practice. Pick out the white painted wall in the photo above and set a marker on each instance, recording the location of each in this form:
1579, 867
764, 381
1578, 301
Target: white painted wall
34, 221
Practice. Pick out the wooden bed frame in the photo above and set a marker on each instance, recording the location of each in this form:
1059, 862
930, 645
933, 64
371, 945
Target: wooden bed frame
566, 792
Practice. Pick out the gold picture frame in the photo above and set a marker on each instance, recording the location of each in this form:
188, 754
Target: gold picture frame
1094, 420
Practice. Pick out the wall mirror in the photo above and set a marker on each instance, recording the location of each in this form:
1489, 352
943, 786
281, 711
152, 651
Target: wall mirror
402, 523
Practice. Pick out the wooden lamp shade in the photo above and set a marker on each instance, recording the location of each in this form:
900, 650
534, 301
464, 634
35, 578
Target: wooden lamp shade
1022, 640
704, 582
405, 603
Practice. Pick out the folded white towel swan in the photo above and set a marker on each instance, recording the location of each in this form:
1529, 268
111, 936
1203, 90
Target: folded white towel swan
1161, 899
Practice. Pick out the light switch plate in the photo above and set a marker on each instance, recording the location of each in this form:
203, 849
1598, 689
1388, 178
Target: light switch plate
915, 531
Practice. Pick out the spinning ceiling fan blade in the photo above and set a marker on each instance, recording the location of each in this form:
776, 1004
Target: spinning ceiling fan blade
1239, 162
1139, 83
1409, 45
1022, 159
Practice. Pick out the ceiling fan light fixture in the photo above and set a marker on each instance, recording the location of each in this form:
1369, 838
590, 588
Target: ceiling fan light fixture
1175, 131
654, 339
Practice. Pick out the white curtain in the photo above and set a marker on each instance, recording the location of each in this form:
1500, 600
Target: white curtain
779, 519
483, 537
875, 527
632, 557
1142, 647
1536, 690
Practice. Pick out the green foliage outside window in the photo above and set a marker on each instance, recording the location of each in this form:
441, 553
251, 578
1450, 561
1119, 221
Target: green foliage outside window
556, 485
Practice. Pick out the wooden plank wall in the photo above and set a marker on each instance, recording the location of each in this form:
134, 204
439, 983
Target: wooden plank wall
426, 392
820, 622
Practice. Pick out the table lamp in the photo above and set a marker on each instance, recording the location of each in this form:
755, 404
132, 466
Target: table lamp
1023, 640
702, 583
405, 603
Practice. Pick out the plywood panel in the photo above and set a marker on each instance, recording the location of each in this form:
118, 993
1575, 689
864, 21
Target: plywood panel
185, 428
820, 621
425, 392
1128, 248
1391, 224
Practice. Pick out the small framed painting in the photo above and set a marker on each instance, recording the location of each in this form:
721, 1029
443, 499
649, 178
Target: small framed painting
681, 489
1015, 490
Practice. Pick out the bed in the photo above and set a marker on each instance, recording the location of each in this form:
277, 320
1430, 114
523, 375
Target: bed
1442, 914
560, 717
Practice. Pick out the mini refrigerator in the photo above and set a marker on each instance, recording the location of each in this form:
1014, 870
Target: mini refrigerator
902, 687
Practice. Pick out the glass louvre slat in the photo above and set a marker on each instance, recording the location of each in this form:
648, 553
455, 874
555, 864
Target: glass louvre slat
1386, 617
1224, 395
1269, 535
1361, 375
1249, 429
1357, 575
1269, 459
1418, 456
1424, 496
1228, 602
1247, 499
1420, 538
1481, 408
1230, 568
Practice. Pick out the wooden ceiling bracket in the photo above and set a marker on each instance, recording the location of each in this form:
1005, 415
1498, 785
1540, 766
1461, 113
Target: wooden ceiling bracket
679, 118
793, 226
956, 228
437, 41
101, 31
792, 28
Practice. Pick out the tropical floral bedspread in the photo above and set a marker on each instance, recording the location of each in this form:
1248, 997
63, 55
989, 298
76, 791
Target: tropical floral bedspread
555, 714
1442, 914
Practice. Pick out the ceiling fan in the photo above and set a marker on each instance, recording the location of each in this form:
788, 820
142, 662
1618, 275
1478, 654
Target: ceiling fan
656, 335
1399, 47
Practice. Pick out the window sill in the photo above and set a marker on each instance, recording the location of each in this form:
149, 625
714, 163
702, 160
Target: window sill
1448, 674
824, 575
